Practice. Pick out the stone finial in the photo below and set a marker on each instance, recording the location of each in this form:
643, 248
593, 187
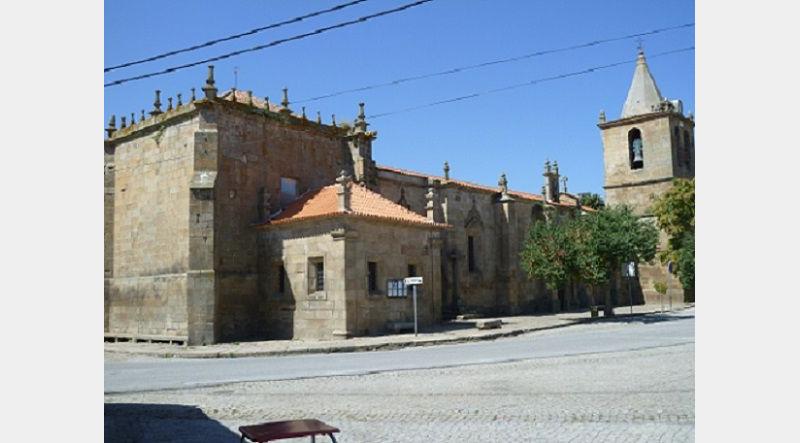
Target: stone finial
156, 104
343, 191
446, 170
180, 100
602, 118
250, 98
112, 125
303, 114
169, 103
193, 96
503, 183
133, 118
233, 94
544, 193
361, 121
209, 89
564, 183
333, 120
285, 102
555, 167
547, 168
122, 123
142, 117
319, 118
266, 102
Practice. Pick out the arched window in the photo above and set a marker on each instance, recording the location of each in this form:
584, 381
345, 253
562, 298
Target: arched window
687, 151
635, 149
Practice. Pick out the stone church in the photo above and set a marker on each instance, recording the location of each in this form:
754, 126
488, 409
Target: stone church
229, 217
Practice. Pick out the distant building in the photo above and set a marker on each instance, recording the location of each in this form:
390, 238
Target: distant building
651, 144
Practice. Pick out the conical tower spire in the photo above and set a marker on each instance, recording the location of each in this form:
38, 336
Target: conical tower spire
643, 93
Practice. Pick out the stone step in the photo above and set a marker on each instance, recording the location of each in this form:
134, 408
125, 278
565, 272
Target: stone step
489, 323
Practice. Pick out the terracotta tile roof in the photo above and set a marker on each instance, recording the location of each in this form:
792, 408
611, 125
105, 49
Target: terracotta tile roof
570, 200
324, 202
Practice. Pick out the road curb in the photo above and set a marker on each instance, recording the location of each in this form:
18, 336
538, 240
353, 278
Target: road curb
382, 346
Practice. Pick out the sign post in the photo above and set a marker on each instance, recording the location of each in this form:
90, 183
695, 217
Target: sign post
414, 282
670, 267
630, 272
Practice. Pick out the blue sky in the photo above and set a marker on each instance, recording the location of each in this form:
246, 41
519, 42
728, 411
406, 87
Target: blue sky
512, 132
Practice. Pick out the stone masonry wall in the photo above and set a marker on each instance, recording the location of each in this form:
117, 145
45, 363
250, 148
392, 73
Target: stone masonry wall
255, 152
300, 312
147, 294
392, 247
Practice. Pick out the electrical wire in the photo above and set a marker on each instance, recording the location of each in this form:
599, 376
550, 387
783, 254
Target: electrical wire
270, 44
528, 83
234, 36
493, 62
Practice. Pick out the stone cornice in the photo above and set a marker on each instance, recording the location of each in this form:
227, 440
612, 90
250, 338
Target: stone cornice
639, 183
644, 117
187, 111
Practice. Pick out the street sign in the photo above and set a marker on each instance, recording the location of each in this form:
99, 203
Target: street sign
414, 282
409, 281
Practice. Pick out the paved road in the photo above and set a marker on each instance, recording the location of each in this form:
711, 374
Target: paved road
636, 333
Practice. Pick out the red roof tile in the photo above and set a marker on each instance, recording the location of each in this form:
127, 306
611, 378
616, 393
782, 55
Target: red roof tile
324, 202
517, 194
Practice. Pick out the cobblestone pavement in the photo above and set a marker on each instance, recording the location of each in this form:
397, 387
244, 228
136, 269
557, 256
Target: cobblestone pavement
633, 396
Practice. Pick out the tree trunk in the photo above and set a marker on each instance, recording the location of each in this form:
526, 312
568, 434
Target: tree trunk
613, 286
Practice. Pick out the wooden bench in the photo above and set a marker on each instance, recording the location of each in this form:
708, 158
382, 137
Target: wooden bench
278, 430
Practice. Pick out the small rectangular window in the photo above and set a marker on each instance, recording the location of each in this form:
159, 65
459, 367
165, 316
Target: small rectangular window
281, 279
319, 276
471, 253
288, 190
372, 276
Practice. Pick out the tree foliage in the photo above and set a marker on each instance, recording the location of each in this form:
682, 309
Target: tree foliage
547, 254
591, 200
590, 248
617, 236
674, 212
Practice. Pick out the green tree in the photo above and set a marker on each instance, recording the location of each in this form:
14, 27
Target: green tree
548, 253
591, 200
674, 212
612, 237
590, 248
686, 262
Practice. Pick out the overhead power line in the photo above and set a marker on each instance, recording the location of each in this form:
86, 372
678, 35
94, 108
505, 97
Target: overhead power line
528, 83
235, 36
268, 45
493, 62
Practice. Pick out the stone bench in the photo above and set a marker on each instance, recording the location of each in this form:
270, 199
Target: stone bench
489, 324
399, 326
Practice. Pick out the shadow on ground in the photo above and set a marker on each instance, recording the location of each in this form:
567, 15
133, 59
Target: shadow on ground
637, 318
145, 422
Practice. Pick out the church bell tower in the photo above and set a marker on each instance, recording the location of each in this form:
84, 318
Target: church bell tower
650, 144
